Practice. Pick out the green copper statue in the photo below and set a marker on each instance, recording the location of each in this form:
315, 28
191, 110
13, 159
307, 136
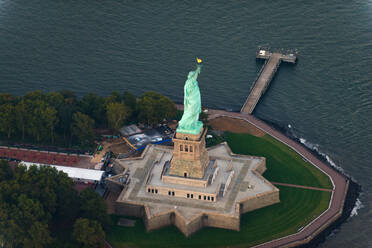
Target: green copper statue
189, 122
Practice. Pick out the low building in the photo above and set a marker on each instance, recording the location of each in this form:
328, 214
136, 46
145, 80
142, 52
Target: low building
77, 174
129, 130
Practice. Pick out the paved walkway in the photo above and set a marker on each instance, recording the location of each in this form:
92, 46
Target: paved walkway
301, 186
339, 182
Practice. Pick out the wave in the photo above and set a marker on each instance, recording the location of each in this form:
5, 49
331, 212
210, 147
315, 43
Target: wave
358, 205
315, 147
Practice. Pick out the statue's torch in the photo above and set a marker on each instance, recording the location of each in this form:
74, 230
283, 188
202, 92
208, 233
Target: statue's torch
198, 64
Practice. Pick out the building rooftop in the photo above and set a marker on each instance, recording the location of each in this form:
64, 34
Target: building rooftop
73, 172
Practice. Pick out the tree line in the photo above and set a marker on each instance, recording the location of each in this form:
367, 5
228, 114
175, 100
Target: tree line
40, 208
64, 119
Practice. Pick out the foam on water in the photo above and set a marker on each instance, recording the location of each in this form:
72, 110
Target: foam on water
315, 147
358, 205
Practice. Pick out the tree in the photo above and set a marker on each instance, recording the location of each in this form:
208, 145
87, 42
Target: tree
203, 117
36, 124
82, 128
114, 97
55, 99
30, 200
39, 202
130, 100
21, 115
7, 119
166, 108
88, 233
50, 119
68, 94
36, 95
116, 115
6, 98
38, 236
153, 107
24, 222
5, 171
66, 111
93, 207
94, 106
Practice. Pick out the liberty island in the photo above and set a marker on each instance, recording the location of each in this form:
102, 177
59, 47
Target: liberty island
97, 61
191, 186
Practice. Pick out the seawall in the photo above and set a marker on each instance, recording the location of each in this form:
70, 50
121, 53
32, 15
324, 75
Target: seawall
346, 195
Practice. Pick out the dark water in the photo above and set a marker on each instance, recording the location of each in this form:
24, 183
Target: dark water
139, 46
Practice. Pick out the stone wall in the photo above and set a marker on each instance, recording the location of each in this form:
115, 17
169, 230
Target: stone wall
261, 168
174, 217
200, 221
259, 201
158, 221
180, 222
222, 221
190, 156
114, 187
185, 181
181, 193
129, 209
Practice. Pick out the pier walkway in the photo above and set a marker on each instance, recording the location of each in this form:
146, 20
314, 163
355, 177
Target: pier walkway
265, 76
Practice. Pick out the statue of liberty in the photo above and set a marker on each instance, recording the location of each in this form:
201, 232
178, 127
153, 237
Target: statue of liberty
189, 122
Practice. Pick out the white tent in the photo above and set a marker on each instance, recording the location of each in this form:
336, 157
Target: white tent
73, 172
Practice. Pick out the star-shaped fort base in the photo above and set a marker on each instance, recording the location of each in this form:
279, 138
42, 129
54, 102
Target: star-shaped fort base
234, 186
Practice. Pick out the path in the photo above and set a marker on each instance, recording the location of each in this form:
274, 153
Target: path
301, 186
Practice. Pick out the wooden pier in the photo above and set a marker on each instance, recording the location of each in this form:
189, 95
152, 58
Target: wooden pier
266, 74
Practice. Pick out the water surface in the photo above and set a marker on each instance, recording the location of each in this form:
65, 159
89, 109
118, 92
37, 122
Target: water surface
102, 46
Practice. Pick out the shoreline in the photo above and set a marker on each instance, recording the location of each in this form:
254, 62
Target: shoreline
352, 193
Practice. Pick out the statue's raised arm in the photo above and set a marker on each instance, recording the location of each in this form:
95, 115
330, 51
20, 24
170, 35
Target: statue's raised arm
197, 71
189, 122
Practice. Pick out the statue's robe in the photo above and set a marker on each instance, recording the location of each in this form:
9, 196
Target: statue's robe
192, 105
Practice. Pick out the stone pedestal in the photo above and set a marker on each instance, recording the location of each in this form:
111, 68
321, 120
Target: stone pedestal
190, 157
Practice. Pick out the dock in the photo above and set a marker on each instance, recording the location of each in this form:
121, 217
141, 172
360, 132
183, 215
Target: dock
266, 74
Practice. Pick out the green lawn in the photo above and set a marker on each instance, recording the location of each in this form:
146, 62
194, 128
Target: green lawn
297, 207
283, 164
